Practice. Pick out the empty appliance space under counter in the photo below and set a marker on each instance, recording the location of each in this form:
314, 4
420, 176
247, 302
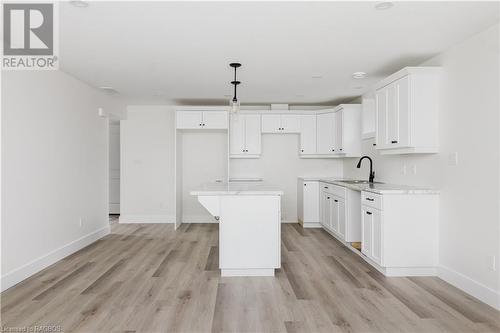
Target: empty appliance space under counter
249, 216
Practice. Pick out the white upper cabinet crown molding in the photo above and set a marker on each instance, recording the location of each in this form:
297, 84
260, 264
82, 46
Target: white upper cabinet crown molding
407, 107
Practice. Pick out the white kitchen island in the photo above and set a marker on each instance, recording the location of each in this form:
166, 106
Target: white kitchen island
249, 216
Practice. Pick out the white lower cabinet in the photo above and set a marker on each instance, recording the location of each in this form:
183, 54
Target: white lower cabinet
400, 232
371, 240
308, 203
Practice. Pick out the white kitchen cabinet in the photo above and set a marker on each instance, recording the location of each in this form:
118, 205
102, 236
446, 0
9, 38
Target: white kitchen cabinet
368, 115
308, 196
400, 232
201, 120
308, 135
341, 217
326, 133
325, 208
245, 136
339, 131
280, 123
407, 107
371, 241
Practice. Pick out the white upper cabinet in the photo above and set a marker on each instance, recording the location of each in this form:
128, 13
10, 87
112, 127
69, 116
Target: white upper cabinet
339, 131
368, 115
308, 135
407, 106
245, 136
201, 120
326, 133
280, 123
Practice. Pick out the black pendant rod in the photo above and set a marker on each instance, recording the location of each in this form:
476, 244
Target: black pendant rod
235, 65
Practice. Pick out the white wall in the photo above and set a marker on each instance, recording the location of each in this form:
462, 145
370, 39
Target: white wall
54, 169
147, 165
204, 159
469, 125
280, 165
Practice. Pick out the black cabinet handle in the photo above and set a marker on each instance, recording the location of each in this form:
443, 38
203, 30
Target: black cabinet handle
305, 184
374, 144
325, 186
302, 150
368, 213
394, 141
335, 200
328, 197
340, 149
200, 124
370, 199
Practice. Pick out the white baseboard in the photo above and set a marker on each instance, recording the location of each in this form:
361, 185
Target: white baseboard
14, 277
146, 218
470, 286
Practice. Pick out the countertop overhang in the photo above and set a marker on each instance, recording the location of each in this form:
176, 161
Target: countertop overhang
236, 188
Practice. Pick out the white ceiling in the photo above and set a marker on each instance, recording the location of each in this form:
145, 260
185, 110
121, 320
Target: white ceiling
182, 50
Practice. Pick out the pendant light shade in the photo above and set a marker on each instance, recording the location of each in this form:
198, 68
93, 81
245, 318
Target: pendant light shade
234, 104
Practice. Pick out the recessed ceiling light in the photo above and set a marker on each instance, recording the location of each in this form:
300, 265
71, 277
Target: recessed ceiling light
383, 5
359, 75
79, 3
108, 90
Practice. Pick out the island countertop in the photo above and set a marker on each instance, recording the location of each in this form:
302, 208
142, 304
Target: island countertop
237, 188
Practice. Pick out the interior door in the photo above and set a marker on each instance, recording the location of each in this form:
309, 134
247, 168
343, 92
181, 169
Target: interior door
253, 134
214, 119
271, 123
308, 134
290, 123
237, 135
325, 133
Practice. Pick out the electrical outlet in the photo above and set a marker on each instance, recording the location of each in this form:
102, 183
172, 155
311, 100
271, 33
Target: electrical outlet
80, 221
414, 169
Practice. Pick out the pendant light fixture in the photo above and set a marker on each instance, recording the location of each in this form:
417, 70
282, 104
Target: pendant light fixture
234, 104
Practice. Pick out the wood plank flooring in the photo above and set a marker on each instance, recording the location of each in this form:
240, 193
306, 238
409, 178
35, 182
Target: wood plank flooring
150, 278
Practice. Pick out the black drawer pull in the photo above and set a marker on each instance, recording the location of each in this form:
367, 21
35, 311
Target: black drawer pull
374, 144
394, 141
328, 197
325, 187
305, 184
370, 199
335, 200
368, 213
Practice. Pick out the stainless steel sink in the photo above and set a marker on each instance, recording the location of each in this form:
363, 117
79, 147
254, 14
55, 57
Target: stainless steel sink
358, 181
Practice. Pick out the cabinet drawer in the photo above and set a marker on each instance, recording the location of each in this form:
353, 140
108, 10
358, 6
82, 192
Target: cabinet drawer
333, 189
372, 200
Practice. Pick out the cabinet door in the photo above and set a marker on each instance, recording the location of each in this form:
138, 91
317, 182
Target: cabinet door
271, 123
402, 88
366, 231
334, 217
237, 135
376, 236
339, 131
325, 133
252, 134
381, 101
290, 123
341, 209
308, 134
215, 119
310, 202
325, 210
189, 119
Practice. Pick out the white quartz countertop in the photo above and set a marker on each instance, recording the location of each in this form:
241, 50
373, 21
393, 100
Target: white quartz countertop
237, 188
378, 188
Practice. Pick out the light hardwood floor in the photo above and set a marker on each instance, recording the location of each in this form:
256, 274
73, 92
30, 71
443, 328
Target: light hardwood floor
150, 278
